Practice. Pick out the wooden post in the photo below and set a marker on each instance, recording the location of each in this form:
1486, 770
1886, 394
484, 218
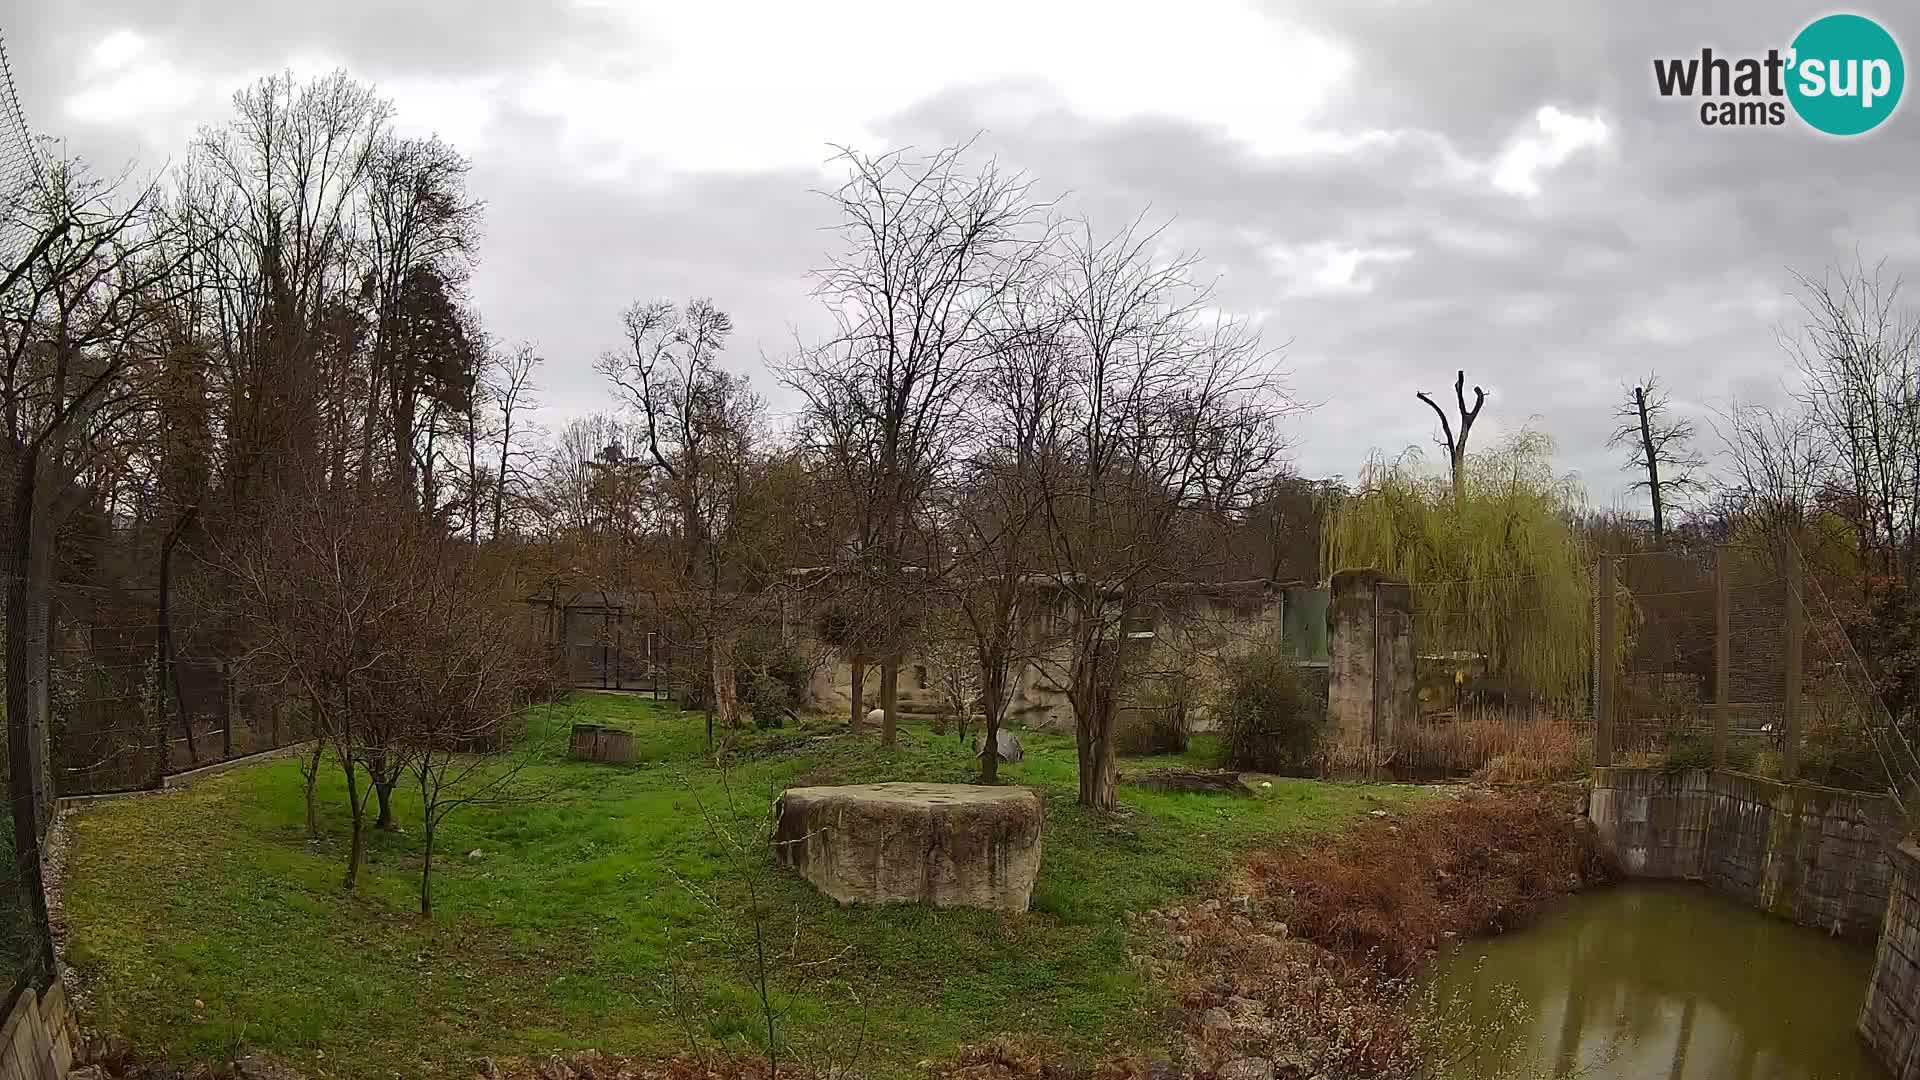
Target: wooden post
1603, 667
1790, 701
1722, 651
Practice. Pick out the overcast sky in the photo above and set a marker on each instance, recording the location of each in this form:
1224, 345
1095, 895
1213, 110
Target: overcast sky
1392, 190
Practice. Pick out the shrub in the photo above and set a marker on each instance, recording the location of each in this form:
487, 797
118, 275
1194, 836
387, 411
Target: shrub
770, 678
1688, 749
1271, 718
1161, 719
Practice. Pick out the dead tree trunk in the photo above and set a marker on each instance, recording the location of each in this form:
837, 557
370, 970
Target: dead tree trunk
1457, 446
1652, 453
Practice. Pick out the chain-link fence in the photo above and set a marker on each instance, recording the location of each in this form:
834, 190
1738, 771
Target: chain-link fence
1527, 678
1663, 651
26, 941
1735, 656
1500, 680
20, 165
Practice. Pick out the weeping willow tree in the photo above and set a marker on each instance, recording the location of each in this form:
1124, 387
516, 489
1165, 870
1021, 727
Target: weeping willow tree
1500, 573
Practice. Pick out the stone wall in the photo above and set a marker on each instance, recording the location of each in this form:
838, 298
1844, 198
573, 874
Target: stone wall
37, 1039
1890, 1018
1656, 823
1190, 631
1818, 856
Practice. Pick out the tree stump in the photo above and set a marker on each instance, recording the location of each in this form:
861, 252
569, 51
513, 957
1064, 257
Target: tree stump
592, 742
946, 845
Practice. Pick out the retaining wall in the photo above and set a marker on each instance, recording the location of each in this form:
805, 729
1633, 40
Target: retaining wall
37, 1038
1818, 856
1890, 1018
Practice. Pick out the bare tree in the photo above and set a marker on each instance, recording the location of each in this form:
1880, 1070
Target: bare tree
1859, 359
587, 486
1659, 446
420, 231
991, 514
508, 388
930, 248
282, 185
1169, 427
79, 330
460, 675
1456, 445
700, 424
335, 587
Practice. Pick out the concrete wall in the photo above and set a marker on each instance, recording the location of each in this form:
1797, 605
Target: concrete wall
37, 1040
1370, 646
1190, 632
1890, 1018
1818, 856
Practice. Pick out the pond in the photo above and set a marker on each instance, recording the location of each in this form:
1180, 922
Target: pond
1668, 980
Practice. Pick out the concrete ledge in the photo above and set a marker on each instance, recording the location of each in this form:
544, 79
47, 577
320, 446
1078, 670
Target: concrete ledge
184, 779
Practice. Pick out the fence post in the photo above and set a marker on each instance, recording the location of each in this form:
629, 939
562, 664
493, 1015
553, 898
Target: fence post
1722, 652
226, 709
1796, 660
1603, 667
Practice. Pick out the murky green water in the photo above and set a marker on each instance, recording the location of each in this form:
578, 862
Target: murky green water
1671, 980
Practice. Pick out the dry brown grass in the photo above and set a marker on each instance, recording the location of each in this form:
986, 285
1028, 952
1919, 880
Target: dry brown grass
1495, 748
1310, 966
1390, 887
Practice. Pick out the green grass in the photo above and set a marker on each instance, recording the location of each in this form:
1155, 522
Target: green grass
204, 920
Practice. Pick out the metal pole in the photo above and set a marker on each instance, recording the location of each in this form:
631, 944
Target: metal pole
226, 709
1603, 667
1796, 631
1722, 652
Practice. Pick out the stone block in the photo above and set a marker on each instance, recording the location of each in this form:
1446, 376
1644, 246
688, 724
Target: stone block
947, 845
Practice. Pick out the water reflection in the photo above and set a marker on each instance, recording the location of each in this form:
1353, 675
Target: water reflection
1668, 980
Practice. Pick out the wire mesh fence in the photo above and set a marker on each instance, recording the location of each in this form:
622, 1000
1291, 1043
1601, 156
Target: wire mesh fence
26, 941
1500, 681
1736, 657
121, 719
20, 165
117, 718
1664, 667
1514, 676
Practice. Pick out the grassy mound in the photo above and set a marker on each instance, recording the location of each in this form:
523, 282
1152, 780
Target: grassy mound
204, 921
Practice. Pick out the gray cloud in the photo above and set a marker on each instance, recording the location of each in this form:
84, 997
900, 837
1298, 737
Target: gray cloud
1667, 247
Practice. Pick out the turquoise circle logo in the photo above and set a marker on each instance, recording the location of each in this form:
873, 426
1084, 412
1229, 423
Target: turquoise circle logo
1847, 74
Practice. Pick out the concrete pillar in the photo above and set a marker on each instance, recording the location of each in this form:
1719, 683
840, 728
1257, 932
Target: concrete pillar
1370, 690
